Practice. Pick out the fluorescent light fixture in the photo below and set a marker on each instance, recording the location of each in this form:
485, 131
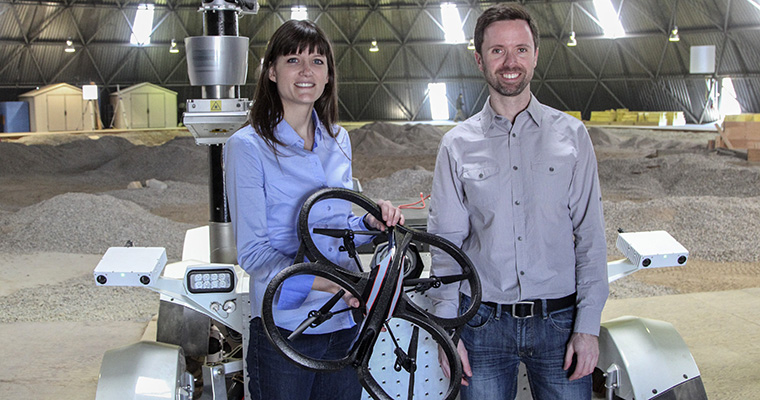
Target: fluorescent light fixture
471, 45
374, 47
173, 48
142, 26
452, 24
571, 42
674, 35
299, 13
608, 19
439, 106
69, 46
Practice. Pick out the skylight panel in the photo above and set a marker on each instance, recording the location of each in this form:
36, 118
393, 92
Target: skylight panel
729, 102
452, 24
142, 26
608, 19
439, 106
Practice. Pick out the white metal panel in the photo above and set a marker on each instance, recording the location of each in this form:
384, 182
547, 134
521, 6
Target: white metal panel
73, 112
138, 110
56, 113
156, 111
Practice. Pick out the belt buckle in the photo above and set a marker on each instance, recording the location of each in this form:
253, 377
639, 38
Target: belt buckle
522, 303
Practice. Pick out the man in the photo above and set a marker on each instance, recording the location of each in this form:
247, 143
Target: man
516, 186
460, 109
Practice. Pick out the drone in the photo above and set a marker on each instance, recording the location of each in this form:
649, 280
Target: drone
383, 289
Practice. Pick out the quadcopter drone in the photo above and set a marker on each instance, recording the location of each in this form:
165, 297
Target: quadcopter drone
383, 289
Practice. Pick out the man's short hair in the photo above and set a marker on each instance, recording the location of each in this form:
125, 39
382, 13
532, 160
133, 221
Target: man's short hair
504, 12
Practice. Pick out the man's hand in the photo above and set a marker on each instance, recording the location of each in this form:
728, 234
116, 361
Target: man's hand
585, 348
467, 371
391, 216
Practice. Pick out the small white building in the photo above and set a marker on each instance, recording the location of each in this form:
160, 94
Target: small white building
59, 107
144, 105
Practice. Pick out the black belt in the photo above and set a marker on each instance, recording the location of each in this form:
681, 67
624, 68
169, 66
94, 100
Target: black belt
529, 308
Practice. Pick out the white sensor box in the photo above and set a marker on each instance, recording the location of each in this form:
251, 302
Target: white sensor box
654, 249
130, 266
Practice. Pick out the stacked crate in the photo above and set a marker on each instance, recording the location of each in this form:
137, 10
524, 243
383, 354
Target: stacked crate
740, 132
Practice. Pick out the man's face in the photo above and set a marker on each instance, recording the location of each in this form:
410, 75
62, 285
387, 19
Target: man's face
508, 56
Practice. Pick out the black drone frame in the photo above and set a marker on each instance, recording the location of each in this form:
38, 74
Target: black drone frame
381, 292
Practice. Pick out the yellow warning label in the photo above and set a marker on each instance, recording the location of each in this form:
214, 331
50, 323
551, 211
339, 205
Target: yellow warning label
216, 105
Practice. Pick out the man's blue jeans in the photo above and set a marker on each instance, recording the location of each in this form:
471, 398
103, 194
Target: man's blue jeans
497, 342
273, 377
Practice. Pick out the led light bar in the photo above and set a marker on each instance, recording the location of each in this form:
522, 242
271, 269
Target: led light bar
218, 280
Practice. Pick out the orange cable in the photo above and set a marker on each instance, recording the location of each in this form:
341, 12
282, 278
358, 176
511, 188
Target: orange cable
413, 206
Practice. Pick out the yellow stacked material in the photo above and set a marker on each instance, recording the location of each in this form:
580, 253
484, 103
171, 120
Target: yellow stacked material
675, 118
651, 118
627, 118
756, 117
576, 114
602, 117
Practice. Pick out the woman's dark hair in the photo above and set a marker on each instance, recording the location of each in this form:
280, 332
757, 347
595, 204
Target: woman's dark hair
503, 12
293, 37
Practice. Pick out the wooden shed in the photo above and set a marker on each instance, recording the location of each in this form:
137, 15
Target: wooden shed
58, 107
144, 105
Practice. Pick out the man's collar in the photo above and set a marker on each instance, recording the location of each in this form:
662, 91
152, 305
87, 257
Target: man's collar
534, 110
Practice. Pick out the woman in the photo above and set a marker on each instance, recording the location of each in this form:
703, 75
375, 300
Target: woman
290, 149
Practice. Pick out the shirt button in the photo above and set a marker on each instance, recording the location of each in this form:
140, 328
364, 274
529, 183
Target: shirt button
329, 249
522, 272
514, 135
517, 202
519, 238
329, 208
551, 169
514, 167
480, 175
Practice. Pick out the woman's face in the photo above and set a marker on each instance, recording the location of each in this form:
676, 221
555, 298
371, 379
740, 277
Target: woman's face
300, 78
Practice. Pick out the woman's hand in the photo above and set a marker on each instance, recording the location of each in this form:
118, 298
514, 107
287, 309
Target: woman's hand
325, 285
391, 216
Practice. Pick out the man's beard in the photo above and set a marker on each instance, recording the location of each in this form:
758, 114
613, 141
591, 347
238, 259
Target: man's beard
504, 90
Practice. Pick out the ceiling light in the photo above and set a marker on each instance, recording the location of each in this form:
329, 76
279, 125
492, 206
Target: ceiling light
471, 45
69, 46
173, 48
571, 42
674, 35
374, 47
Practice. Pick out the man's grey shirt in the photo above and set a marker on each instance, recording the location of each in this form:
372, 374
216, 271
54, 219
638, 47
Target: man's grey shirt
524, 203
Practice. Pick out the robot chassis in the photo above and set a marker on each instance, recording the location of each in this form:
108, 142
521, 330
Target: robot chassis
395, 351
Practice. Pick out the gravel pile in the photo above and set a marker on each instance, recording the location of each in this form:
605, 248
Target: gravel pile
80, 300
407, 183
109, 159
90, 224
382, 138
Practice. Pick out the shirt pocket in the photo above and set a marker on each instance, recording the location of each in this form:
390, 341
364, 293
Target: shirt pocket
480, 182
551, 180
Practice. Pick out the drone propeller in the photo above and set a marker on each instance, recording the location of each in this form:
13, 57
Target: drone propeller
317, 317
